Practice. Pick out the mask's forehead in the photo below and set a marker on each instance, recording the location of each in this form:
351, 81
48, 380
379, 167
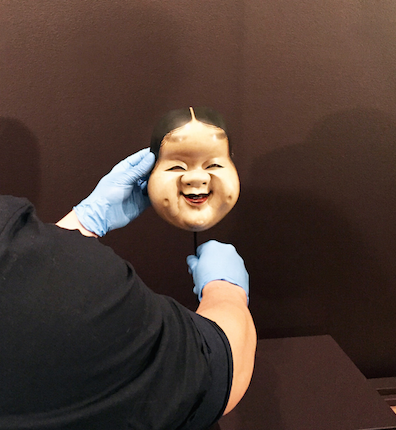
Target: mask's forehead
176, 125
196, 131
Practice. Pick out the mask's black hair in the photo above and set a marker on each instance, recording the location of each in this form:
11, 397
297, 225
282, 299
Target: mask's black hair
179, 117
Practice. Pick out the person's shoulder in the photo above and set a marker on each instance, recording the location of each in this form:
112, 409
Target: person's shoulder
9, 205
13, 209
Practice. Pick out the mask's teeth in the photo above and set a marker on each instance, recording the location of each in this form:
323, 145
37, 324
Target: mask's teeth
196, 196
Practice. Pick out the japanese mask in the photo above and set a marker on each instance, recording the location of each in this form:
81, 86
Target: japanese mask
194, 183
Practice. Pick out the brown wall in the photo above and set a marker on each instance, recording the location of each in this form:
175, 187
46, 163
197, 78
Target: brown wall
309, 91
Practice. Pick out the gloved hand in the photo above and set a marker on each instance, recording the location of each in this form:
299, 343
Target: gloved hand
119, 196
217, 261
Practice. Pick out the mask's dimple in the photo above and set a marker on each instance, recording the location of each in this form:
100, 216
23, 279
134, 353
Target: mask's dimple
174, 209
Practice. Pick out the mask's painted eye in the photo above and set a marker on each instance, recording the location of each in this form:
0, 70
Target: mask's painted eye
214, 166
176, 168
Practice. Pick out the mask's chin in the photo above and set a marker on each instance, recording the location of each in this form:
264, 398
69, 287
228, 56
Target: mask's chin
198, 221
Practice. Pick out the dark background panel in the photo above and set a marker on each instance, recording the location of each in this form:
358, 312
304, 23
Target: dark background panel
309, 92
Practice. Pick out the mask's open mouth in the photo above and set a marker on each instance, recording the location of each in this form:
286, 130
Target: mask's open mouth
196, 199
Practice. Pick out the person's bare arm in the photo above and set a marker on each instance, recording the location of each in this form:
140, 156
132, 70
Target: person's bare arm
71, 222
225, 304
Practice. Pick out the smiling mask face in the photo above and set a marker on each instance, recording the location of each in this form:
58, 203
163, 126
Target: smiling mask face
194, 183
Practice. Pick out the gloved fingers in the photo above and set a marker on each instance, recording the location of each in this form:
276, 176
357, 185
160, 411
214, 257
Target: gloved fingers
138, 173
205, 247
218, 261
137, 157
144, 167
213, 247
198, 292
134, 166
118, 197
142, 184
192, 262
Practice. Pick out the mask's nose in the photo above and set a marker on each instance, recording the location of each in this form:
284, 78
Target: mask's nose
195, 178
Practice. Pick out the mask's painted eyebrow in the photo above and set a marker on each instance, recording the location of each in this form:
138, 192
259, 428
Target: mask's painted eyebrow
176, 138
217, 135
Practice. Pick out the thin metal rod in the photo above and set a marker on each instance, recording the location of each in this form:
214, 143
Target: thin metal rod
195, 243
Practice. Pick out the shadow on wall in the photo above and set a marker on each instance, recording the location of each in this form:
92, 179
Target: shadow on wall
317, 230
19, 160
95, 74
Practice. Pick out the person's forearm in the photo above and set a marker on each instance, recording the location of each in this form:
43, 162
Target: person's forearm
71, 222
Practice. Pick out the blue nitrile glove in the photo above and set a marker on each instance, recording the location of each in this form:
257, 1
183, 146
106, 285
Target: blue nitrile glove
217, 261
118, 198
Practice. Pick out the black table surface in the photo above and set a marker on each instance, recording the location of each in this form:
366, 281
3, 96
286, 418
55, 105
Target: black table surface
307, 383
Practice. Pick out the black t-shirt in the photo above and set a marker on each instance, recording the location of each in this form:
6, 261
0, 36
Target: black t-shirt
84, 344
